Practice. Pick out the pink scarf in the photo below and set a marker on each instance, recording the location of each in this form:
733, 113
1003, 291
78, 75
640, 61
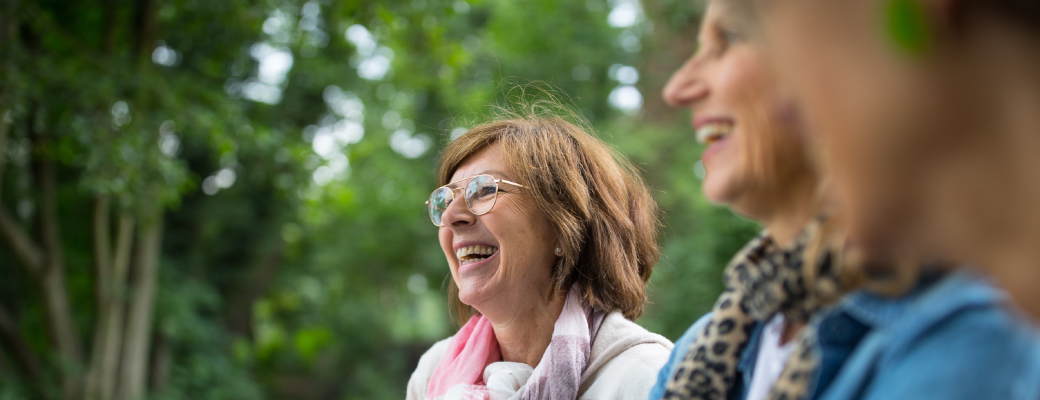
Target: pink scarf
462, 373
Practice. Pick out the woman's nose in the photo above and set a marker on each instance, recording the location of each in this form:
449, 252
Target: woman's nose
687, 85
457, 214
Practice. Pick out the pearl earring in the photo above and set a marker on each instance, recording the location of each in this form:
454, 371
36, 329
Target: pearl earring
559, 251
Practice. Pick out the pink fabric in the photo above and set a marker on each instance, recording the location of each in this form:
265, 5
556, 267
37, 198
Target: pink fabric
469, 352
557, 376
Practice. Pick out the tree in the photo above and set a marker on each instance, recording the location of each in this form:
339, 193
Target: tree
93, 120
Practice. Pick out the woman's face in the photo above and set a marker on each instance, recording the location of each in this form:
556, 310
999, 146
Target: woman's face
879, 111
734, 104
504, 257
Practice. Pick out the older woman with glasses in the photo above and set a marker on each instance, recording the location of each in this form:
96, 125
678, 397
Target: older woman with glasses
549, 251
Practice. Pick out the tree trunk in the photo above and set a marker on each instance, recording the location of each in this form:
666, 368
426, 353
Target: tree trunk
256, 282
108, 33
664, 51
103, 294
108, 376
160, 369
139, 325
133, 375
52, 279
146, 28
110, 284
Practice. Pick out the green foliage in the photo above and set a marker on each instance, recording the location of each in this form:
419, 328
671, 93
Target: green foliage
203, 368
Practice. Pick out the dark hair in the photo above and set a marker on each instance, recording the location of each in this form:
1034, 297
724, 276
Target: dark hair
601, 209
1024, 12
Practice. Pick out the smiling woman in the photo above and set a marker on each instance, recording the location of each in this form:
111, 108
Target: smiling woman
805, 313
549, 252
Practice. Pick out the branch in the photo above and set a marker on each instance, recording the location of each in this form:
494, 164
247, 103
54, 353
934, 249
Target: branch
27, 252
103, 294
50, 235
124, 243
102, 251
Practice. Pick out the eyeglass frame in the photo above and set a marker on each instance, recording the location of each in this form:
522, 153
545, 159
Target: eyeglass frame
452, 190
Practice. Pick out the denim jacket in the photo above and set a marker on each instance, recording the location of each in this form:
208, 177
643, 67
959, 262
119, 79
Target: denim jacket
952, 339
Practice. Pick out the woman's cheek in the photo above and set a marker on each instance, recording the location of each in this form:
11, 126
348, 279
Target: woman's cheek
445, 237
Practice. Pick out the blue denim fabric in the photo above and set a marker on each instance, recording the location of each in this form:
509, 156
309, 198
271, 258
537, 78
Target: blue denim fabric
678, 353
953, 339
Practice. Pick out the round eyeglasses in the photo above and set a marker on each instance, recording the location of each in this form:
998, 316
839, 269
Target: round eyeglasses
481, 194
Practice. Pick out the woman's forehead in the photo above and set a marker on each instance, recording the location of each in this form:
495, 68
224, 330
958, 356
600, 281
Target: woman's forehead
487, 161
460, 179
739, 12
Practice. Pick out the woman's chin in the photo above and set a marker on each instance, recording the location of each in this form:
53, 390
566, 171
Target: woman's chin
472, 294
716, 189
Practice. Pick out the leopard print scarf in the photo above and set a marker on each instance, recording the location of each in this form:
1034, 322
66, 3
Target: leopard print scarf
761, 280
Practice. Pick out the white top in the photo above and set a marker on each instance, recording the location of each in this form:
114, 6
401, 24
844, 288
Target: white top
771, 358
623, 365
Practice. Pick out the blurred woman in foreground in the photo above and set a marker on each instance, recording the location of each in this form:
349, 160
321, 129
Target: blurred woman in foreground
929, 113
550, 238
797, 320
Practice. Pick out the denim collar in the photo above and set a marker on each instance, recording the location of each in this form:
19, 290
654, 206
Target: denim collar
867, 307
937, 293
935, 296
959, 289
872, 309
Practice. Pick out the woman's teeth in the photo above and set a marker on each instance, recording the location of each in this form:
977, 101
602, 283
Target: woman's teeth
712, 132
473, 254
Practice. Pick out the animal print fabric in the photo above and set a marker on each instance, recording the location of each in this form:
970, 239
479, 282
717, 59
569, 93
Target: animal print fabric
760, 281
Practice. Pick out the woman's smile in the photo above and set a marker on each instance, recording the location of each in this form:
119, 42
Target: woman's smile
474, 256
710, 132
713, 132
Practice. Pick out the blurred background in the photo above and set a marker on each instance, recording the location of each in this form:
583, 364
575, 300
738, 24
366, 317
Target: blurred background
224, 199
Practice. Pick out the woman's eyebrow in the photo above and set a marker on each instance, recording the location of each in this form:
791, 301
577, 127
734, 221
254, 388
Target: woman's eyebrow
495, 172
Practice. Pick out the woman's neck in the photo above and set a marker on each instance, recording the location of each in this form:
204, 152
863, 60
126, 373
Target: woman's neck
999, 222
788, 216
524, 333
784, 228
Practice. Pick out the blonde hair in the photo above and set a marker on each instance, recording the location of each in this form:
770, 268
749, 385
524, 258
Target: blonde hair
598, 204
778, 157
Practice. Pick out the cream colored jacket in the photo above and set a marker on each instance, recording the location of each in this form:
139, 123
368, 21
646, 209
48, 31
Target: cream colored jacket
623, 364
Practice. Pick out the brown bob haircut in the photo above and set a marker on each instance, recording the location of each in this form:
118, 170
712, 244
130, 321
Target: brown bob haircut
598, 204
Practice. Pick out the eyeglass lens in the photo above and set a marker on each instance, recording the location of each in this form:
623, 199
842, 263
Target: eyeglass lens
480, 194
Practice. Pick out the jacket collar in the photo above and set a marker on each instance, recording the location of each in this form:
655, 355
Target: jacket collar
936, 294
